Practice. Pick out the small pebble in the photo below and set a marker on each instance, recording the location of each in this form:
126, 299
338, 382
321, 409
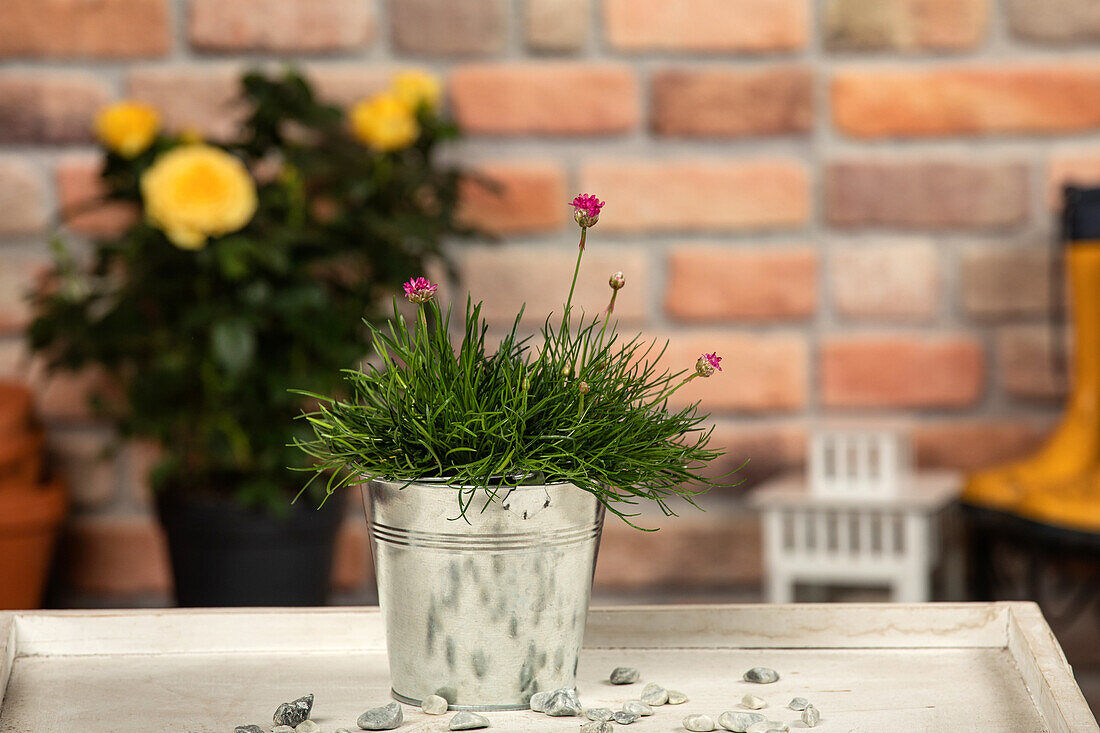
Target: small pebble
563, 703
654, 694
739, 722
599, 714
538, 700
624, 676
338, 730
675, 697
386, 717
638, 707
761, 675
811, 716
468, 721
434, 705
598, 726
249, 729
752, 702
767, 726
293, 713
307, 726
798, 703
283, 729
622, 717
699, 722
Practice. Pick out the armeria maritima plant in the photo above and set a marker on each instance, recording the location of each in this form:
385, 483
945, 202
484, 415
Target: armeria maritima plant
586, 407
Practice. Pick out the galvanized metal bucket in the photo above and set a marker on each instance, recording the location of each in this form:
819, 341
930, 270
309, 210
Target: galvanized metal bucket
488, 609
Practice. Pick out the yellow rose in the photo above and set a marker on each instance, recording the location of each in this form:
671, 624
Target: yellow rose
127, 128
197, 191
384, 123
415, 88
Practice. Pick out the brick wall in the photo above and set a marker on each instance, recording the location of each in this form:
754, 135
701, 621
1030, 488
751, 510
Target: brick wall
850, 200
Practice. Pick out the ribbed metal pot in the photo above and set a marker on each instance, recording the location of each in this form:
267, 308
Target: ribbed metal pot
489, 609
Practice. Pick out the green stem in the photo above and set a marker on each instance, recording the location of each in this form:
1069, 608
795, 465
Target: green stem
573, 285
672, 391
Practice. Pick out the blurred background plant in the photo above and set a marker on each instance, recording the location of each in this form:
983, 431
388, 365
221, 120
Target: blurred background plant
251, 271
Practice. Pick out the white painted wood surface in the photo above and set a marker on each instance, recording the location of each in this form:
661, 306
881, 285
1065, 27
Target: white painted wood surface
871, 669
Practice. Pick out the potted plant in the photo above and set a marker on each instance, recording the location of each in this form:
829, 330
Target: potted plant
487, 475
250, 270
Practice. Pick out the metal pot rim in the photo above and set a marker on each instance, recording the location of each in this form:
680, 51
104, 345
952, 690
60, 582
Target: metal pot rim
445, 482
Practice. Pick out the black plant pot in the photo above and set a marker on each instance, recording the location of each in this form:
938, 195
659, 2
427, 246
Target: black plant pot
225, 555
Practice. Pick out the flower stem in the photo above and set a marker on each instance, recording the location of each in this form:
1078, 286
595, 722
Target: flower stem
573, 285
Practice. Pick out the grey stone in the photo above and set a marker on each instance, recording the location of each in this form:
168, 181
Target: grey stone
338, 730
248, 729
739, 722
598, 726
468, 721
699, 723
599, 714
538, 700
811, 716
752, 702
563, 703
307, 726
639, 707
654, 694
675, 697
386, 717
622, 717
624, 676
283, 729
798, 703
293, 713
768, 726
434, 705
761, 675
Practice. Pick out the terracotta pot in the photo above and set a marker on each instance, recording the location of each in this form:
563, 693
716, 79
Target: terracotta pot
15, 408
29, 520
20, 460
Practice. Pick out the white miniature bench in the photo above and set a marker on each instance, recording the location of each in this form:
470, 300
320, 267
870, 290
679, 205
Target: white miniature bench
858, 517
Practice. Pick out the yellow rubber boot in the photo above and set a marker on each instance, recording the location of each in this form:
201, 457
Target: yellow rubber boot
1073, 451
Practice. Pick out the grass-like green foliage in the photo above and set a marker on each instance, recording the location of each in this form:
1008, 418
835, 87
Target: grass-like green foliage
586, 407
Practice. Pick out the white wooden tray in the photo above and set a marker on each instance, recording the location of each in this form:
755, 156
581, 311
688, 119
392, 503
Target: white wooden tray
872, 669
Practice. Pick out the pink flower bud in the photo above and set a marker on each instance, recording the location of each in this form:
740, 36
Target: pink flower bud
419, 289
583, 388
708, 364
586, 209
617, 281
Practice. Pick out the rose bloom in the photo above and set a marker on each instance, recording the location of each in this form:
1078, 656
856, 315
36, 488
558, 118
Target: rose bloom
415, 88
198, 191
384, 123
127, 128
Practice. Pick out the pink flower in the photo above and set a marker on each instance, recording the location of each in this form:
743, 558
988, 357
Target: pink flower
708, 364
419, 290
586, 209
617, 280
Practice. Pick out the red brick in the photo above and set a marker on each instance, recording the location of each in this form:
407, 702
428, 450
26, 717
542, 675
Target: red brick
1026, 366
22, 198
971, 445
351, 563
1077, 167
966, 101
695, 550
716, 283
926, 194
556, 25
770, 447
697, 194
905, 25
546, 98
116, 556
506, 277
999, 283
902, 371
1054, 21
760, 372
895, 282
84, 459
448, 28
754, 26
346, 83
80, 191
84, 29
279, 25
723, 102
54, 108
516, 197
19, 267
206, 100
